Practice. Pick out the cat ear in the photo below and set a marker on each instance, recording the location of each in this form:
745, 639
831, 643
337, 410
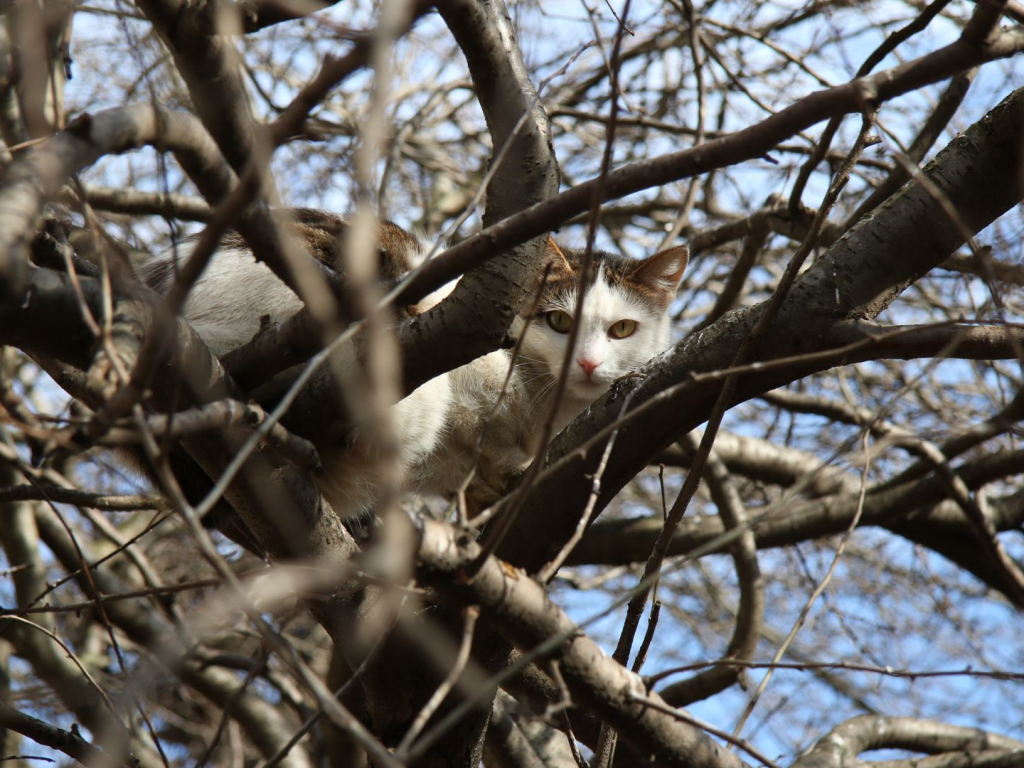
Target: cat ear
665, 269
556, 256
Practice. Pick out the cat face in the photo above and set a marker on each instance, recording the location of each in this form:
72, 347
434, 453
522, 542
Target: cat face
624, 322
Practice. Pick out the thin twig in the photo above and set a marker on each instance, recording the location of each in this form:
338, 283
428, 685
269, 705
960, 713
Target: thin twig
724, 735
469, 616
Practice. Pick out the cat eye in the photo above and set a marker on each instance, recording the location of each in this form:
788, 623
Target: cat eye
622, 329
560, 321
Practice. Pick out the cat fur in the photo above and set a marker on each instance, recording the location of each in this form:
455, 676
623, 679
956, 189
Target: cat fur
438, 427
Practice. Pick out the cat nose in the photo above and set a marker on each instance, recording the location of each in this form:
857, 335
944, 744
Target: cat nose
588, 365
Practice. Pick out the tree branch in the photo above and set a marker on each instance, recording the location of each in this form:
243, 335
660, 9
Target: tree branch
68, 742
868, 732
747, 144
858, 277
521, 608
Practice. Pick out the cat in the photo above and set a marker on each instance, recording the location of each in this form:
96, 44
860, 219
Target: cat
503, 397
624, 323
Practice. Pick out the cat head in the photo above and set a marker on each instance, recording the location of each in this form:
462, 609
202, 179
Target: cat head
624, 322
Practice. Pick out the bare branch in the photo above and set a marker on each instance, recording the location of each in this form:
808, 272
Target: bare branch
834, 288
525, 614
872, 732
749, 143
70, 743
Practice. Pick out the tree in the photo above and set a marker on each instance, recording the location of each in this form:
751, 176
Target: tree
847, 578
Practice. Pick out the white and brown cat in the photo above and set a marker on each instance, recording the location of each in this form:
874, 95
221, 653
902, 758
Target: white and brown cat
624, 323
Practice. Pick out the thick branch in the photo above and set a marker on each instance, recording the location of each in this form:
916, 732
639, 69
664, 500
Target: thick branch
260, 14
36, 177
869, 732
136, 203
483, 305
747, 144
278, 503
68, 742
914, 510
521, 608
859, 276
